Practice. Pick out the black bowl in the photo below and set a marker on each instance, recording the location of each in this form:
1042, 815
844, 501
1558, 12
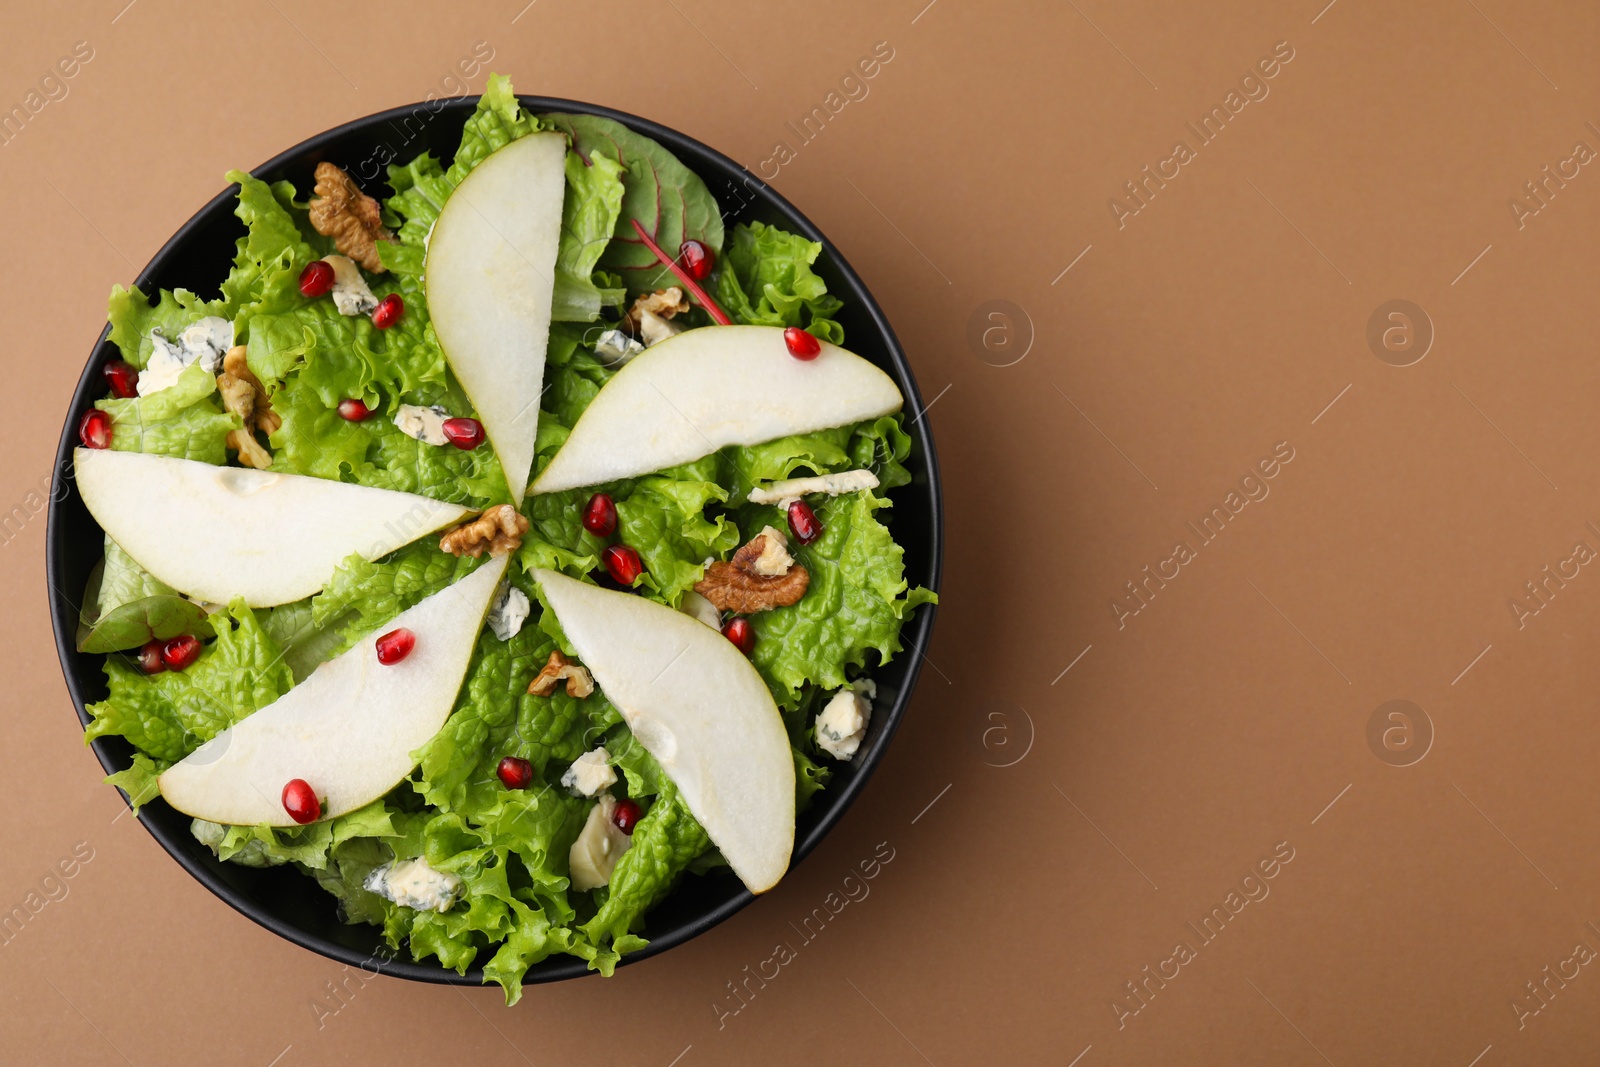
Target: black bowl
198, 257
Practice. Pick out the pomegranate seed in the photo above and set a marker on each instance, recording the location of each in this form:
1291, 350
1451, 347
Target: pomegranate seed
515, 772
395, 646
388, 311
180, 652
123, 377
465, 434
150, 657
697, 259
353, 410
625, 815
801, 345
317, 279
741, 633
803, 522
95, 430
301, 802
600, 516
622, 563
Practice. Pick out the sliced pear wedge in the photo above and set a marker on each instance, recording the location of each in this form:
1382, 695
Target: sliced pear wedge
704, 389
214, 533
698, 706
490, 276
350, 728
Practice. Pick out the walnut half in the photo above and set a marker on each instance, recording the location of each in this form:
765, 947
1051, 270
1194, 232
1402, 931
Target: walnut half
352, 218
499, 529
579, 682
243, 395
750, 582
665, 303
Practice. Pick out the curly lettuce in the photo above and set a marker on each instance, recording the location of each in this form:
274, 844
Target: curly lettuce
766, 280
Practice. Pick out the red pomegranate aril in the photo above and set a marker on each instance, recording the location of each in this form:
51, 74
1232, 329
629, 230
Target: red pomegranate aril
94, 430
600, 516
388, 311
301, 802
180, 652
741, 633
515, 772
123, 378
395, 646
801, 345
626, 816
465, 434
622, 563
353, 410
150, 656
317, 279
803, 522
697, 259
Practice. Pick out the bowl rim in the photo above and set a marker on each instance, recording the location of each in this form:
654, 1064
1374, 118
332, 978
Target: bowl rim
915, 635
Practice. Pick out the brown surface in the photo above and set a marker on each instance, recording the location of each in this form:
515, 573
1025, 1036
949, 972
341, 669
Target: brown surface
1223, 719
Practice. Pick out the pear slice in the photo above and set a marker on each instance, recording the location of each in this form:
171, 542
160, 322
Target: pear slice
698, 706
350, 728
490, 276
214, 533
704, 389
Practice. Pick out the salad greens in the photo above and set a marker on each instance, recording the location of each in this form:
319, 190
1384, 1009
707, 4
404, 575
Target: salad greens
508, 848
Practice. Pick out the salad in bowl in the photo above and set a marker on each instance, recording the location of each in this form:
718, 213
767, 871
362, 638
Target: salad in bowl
498, 548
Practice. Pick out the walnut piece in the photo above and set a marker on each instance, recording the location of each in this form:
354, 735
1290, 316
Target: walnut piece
739, 584
352, 218
499, 529
242, 395
235, 363
579, 682
663, 302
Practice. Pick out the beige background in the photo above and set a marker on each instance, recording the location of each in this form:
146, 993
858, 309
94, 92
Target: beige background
1180, 749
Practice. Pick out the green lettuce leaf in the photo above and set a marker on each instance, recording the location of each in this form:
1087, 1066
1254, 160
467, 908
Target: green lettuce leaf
368, 594
665, 841
125, 606
139, 780
668, 199
766, 280
856, 602
588, 217
169, 715
183, 420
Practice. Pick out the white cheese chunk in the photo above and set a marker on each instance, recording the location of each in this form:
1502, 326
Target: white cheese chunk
594, 855
590, 774
414, 884
350, 293
162, 369
614, 348
791, 489
843, 723
207, 341
698, 607
653, 329
508, 612
425, 424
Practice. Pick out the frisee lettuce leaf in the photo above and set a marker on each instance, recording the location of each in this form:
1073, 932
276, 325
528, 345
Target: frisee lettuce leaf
855, 604
766, 280
169, 715
183, 421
